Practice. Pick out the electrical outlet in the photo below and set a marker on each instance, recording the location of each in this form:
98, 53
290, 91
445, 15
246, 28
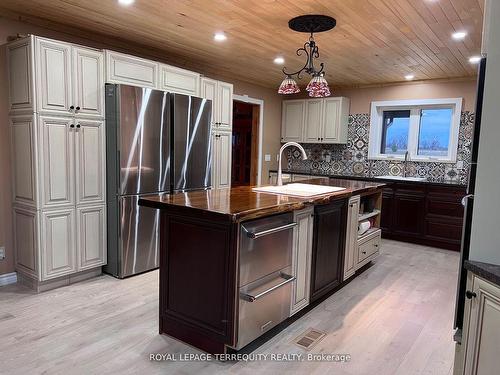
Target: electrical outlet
2, 253
460, 164
267, 157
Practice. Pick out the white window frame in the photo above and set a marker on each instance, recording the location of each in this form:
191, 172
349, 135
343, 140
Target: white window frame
415, 107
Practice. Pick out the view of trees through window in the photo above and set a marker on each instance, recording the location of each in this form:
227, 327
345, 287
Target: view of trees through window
396, 128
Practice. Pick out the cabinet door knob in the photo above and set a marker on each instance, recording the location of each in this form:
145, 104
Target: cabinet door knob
72, 126
77, 108
470, 295
72, 107
78, 126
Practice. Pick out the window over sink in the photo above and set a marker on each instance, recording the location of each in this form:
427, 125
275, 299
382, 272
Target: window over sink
425, 129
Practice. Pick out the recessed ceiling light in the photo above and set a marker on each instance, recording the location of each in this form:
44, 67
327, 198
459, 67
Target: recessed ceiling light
409, 77
126, 2
279, 60
459, 35
220, 37
475, 59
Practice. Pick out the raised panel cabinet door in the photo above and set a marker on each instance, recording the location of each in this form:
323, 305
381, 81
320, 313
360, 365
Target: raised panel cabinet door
387, 211
53, 76
351, 241
88, 65
301, 258
20, 72
58, 250
215, 161
331, 120
131, 70
292, 125
90, 161
24, 160
409, 208
58, 165
312, 125
179, 80
26, 240
484, 329
91, 237
225, 102
328, 248
208, 90
224, 141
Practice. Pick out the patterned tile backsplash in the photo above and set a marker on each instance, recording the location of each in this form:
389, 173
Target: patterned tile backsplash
351, 159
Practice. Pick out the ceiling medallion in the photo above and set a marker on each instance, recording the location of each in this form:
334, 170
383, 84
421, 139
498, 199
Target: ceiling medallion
317, 87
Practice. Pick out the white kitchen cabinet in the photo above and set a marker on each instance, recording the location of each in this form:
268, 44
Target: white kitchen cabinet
54, 76
179, 80
313, 121
301, 258
292, 121
335, 120
21, 74
58, 243
221, 159
131, 70
57, 160
25, 225
91, 236
221, 95
273, 178
88, 82
481, 329
368, 247
351, 241
90, 161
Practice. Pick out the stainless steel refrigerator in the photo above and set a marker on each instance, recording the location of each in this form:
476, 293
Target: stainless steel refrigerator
156, 142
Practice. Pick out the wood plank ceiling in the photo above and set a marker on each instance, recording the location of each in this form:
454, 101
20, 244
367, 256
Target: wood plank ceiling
375, 41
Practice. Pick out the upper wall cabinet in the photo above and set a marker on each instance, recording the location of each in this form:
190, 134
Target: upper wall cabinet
179, 80
221, 95
315, 120
131, 70
69, 79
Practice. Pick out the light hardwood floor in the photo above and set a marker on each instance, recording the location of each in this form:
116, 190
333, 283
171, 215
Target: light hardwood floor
395, 318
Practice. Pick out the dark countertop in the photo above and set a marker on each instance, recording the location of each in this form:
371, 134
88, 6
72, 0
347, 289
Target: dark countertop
371, 179
487, 271
241, 203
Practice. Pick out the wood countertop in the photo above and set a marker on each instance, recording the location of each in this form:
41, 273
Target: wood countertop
241, 203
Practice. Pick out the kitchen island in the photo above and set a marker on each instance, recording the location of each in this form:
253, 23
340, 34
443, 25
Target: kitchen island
235, 263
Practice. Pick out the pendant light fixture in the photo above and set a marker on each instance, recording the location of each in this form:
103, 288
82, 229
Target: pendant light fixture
318, 86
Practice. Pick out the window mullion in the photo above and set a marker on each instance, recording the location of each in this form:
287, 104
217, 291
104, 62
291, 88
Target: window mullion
414, 131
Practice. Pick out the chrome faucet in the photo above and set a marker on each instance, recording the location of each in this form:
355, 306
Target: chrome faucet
405, 165
304, 157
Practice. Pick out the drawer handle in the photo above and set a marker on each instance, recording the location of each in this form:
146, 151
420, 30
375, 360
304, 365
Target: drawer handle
253, 298
470, 295
254, 235
363, 252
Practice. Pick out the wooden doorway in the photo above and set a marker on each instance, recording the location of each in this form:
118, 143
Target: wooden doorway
245, 159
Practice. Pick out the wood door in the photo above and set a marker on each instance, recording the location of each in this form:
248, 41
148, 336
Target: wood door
88, 81
351, 242
301, 258
58, 166
91, 237
409, 209
331, 120
225, 103
209, 91
328, 248
292, 120
58, 250
313, 119
53, 76
387, 211
483, 329
223, 157
90, 161
242, 153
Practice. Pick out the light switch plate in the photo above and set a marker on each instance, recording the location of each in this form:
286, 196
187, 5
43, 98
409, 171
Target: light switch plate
2, 253
267, 157
460, 164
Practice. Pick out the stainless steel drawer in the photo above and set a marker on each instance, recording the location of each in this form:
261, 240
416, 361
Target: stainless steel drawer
263, 304
265, 246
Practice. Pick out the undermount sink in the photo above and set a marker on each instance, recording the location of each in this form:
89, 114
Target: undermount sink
298, 190
401, 178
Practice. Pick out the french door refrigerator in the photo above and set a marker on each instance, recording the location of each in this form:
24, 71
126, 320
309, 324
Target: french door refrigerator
156, 143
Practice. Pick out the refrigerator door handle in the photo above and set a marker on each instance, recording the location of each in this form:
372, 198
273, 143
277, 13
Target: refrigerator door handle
465, 198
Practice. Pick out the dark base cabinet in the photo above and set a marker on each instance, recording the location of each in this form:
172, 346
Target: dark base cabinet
328, 248
429, 215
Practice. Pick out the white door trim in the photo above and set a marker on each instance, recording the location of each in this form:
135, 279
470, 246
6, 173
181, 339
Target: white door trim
8, 278
260, 102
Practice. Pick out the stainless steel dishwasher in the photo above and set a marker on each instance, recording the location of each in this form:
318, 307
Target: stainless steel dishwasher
265, 275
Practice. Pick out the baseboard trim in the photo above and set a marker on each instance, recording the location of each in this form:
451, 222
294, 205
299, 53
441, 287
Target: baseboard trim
8, 278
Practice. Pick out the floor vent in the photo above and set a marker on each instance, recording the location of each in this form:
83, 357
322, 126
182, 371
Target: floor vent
309, 338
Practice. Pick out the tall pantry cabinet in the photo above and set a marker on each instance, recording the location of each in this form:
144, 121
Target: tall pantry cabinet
56, 104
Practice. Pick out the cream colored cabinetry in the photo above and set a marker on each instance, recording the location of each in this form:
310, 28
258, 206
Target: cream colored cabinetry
315, 120
58, 158
221, 159
179, 80
131, 70
481, 328
351, 241
301, 258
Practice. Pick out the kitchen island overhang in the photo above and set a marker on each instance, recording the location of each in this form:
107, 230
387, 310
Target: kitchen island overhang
199, 255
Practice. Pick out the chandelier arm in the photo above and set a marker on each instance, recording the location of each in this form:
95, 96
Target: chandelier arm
299, 53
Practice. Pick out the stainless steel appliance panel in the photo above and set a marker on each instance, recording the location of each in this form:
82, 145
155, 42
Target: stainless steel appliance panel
138, 237
192, 142
144, 140
265, 246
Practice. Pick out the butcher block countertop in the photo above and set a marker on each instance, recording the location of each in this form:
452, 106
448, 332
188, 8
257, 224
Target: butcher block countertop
241, 203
